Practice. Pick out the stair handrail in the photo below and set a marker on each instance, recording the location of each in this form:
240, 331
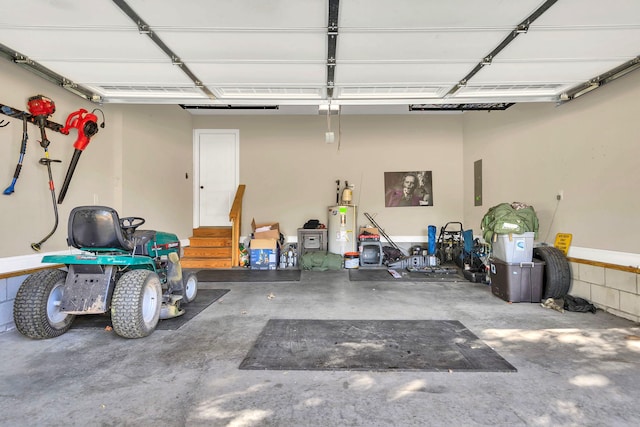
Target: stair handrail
235, 216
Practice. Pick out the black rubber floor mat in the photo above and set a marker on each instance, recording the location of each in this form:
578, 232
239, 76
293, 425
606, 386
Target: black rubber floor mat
204, 299
248, 275
372, 345
382, 275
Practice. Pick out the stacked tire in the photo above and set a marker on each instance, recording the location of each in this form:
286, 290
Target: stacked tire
557, 272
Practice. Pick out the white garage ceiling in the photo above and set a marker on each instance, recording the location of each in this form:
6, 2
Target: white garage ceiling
241, 53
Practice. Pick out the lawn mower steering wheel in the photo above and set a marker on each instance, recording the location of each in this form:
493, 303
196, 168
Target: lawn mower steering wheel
130, 223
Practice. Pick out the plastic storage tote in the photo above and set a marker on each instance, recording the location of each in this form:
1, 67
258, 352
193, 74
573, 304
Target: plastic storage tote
517, 282
513, 248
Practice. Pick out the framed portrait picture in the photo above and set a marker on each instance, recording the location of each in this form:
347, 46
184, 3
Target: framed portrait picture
408, 189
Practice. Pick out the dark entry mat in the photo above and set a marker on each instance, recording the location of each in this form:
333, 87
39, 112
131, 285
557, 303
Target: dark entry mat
247, 275
372, 345
380, 275
204, 299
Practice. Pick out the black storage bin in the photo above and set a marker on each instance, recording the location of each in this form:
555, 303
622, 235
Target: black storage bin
517, 282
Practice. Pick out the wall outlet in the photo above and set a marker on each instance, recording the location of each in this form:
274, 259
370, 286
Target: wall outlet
329, 137
560, 195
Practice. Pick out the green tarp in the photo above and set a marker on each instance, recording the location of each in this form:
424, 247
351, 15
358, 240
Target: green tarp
321, 261
509, 218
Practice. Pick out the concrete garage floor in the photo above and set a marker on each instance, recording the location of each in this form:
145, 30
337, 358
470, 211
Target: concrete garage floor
574, 369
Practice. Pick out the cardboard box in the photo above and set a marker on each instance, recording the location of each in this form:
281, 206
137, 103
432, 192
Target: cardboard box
265, 231
264, 254
370, 230
369, 234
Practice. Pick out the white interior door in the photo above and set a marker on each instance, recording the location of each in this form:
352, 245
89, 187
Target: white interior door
217, 177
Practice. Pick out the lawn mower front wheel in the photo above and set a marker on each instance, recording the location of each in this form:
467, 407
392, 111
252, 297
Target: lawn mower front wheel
190, 287
36, 309
136, 304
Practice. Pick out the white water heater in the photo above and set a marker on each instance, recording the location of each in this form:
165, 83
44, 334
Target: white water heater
342, 233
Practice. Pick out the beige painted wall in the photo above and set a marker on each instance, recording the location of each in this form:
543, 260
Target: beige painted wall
157, 175
27, 215
136, 164
589, 148
290, 171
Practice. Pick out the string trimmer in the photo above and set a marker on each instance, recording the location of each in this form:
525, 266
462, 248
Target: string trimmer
19, 114
25, 117
41, 108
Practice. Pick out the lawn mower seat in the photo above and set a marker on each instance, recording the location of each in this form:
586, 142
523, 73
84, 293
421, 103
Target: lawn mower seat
96, 227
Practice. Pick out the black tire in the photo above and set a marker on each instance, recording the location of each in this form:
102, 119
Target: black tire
36, 309
136, 304
189, 287
557, 272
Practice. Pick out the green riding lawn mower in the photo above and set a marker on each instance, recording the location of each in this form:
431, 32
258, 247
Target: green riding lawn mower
135, 275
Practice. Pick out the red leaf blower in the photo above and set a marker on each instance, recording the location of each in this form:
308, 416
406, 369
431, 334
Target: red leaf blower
87, 125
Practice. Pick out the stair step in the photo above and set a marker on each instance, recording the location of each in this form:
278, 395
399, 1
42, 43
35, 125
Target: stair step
212, 232
209, 247
210, 241
208, 251
198, 262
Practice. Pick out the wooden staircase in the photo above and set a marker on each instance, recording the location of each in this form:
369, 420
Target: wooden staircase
210, 247
216, 247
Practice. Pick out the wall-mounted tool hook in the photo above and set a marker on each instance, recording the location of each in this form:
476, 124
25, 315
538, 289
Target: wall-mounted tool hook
3, 124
